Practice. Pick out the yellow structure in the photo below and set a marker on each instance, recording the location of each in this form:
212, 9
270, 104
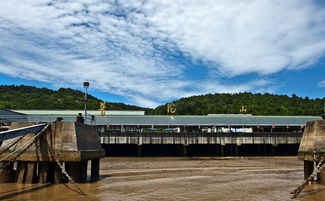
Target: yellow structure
171, 109
243, 109
102, 108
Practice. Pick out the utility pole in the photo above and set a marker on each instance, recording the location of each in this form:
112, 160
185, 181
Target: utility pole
86, 85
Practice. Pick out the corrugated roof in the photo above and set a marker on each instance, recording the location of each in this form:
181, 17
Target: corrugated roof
206, 120
9, 112
76, 112
178, 120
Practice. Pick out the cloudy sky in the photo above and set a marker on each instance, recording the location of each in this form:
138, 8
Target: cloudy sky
153, 51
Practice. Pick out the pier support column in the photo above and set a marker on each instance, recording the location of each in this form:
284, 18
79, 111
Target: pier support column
57, 177
78, 171
321, 176
94, 170
222, 150
265, 152
272, 150
21, 172
139, 150
184, 152
308, 168
43, 169
236, 150
8, 174
30, 177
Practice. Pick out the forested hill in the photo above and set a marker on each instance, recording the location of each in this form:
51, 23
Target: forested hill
256, 104
29, 97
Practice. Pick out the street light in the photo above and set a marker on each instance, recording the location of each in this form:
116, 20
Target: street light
86, 85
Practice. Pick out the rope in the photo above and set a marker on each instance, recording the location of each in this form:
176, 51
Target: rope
318, 168
29, 145
79, 190
10, 145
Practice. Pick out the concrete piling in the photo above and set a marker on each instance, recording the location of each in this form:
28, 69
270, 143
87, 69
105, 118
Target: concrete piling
222, 150
30, 174
57, 173
21, 172
94, 170
43, 172
184, 151
139, 150
78, 171
8, 174
308, 168
321, 177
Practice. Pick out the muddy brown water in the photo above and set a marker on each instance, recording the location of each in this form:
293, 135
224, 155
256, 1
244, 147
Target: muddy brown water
161, 178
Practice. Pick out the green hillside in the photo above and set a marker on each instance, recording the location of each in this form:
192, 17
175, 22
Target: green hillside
29, 97
256, 104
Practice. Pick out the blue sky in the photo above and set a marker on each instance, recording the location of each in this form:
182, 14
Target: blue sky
149, 52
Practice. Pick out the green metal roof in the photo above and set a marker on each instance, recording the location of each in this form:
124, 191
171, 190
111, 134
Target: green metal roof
223, 120
206, 120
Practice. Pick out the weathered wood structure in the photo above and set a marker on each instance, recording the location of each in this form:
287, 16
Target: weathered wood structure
72, 143
312, 148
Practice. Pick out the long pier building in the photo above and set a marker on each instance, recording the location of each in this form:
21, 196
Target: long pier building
131, 133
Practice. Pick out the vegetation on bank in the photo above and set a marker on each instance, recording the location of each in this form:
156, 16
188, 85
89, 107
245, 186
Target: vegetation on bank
29, 97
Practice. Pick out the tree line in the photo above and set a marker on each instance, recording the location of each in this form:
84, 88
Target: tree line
30, 97
256, 104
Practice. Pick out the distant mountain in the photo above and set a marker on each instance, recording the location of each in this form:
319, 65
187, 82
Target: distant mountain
256, 104
29, 97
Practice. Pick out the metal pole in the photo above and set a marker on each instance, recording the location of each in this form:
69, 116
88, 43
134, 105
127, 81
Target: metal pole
86, 98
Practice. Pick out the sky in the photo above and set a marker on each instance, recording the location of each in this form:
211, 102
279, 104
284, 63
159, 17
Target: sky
151, 52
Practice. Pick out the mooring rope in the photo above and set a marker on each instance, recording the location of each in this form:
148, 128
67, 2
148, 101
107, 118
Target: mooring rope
28, 143
318, 168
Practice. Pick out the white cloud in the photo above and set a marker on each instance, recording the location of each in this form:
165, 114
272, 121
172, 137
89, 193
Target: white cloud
321, 83
122, 47
245, 36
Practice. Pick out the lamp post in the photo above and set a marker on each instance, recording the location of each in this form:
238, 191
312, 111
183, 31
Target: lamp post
86, 85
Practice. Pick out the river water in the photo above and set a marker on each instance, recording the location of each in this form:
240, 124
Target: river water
166, 178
